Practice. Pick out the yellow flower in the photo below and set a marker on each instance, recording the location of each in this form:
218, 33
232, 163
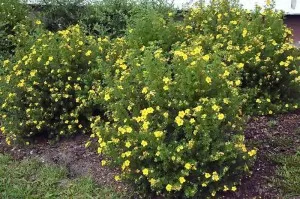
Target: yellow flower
117, 178
225, 188
207, 175
38, 22
107, 97
128, 144
226, 73
144, 143
213, 193
181, 114
50, 58
32, 73
240, 65
206, 58
182, 180
221, 116
158, 134
215, 176
145, 172
234, 188
8, 142
88, 53
123, 66
226, 101
238, 82
166, 115
166, 80
103, 162
125, 164
192, 120
244, 32
179, 121
169, 187
252, 153
188, 166
198, 109
5, 62
188, 27
258, 101
166, 87
145, 90
215, 107
180, 54
208, 80
152, 181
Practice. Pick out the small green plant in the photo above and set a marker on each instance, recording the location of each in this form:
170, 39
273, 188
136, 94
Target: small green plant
272, 123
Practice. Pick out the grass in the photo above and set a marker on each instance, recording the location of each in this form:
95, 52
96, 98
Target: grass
286, 155
33, 179
288, 174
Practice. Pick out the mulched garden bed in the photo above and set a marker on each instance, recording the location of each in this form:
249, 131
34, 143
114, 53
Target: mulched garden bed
271, 135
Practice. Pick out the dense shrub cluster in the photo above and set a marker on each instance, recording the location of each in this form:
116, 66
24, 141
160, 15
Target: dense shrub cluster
259, 44
43, 88
164, 99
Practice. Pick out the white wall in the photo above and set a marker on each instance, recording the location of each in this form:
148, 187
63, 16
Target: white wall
284, 5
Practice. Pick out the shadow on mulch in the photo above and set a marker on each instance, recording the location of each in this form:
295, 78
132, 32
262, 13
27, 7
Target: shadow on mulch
271, 135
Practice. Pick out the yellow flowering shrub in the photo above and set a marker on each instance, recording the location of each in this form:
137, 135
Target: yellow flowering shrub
174, 113
44, 90
174, 126
258, 45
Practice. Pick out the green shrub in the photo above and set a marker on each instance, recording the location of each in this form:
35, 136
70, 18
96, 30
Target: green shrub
60, 14
151, 26
45, 87
173, 126
108, 17
261, 42
11, 13
111, 17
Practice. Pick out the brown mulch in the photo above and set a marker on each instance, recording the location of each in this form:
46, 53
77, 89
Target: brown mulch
262, 132
271, 135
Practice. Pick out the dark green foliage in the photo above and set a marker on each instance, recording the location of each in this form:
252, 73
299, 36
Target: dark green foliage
11, 13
